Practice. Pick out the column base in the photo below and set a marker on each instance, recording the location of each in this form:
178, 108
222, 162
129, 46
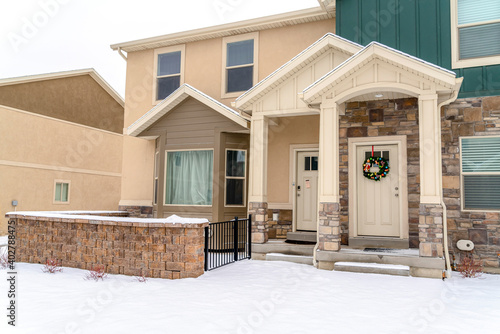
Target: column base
329, 227
258, 210
430, 227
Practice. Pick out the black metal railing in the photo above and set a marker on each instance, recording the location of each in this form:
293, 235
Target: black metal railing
228, 242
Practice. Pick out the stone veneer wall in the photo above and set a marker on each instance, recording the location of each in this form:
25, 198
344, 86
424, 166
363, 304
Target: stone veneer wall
382, 118
160, 250
137, 211
280, 228
469, 117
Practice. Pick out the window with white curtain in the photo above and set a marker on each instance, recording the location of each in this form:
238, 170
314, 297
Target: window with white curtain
189, 176
476, 32
235, 177
61, 192
480, 173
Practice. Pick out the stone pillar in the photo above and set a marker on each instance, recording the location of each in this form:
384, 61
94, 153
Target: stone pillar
430, 230
329, 199
258, 210
257, 192
329, 226
430, 224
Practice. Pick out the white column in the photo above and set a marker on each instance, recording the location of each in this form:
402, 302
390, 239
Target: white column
257, 191
430, 149
329, 152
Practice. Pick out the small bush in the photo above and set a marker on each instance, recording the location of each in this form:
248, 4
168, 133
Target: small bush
141, 279
52, 266
96, 273
470, 268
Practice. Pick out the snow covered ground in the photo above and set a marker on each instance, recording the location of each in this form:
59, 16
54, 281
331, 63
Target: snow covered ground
252, 297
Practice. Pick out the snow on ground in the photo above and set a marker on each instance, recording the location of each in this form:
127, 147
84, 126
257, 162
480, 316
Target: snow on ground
3, 240
252, 297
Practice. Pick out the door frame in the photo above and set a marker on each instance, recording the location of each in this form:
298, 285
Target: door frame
353, 144
294, 150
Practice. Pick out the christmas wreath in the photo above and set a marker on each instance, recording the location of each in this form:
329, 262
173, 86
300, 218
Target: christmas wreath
382, 164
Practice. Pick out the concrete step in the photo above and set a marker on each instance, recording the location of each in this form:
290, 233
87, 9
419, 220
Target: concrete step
282, 247
372, 268
301, 259
302, 236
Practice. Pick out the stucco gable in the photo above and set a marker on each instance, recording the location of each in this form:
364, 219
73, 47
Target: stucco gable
168, 104
379, 68
329, 43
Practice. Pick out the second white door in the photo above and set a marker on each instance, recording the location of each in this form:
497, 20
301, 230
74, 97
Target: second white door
307, 191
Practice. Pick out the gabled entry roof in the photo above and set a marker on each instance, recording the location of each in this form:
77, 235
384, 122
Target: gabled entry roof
328, 41
178, 96
378, 68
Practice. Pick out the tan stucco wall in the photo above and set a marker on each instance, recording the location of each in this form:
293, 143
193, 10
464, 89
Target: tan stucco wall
203, 70
78, 99
289, 131
36, 150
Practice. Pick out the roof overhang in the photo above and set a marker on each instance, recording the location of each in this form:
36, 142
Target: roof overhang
62, 75
229, 29
173, 100
327, 5
328, 41
432, 77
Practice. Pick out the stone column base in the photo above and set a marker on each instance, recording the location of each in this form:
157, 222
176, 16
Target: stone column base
258, 210
430, 230
329, 227
137, 211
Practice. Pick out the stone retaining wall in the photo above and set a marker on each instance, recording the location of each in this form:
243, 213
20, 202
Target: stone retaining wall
124, 246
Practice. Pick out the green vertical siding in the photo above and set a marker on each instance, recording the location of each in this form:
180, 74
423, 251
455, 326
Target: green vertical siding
419, 27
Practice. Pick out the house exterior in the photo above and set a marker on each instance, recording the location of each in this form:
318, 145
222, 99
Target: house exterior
60, 143
373, 124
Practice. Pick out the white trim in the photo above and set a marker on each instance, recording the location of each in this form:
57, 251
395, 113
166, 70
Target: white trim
229, 29
59, 120
462, 194
165, 177
244, 178
292, 194
400, 141
57, 168
66, 74
169, 49
61, 182
456, 62
227, 40
181, 94
156, 178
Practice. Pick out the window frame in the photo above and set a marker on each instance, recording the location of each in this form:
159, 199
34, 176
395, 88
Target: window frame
462, 188
456, 62
165, 178
168, 49
56, 182
244, 178
233, 39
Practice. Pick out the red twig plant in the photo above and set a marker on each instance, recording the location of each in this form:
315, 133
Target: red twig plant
96, 273
470, 268
52, 266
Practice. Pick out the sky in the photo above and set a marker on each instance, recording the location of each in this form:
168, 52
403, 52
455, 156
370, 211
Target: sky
45, 36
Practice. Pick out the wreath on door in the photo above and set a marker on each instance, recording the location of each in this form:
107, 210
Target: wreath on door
383, 168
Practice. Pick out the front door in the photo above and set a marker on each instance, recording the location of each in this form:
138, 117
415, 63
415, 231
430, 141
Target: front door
307, 191
378, 205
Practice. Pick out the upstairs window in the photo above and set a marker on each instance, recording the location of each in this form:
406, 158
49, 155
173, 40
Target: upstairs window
61, 192
480, 175
240, 70
169, 71
475, 32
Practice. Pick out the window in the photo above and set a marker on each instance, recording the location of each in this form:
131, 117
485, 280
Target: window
155, 194
235, 177
61, 192
240, 70
188, 179
475, 32
480, 175
169, 71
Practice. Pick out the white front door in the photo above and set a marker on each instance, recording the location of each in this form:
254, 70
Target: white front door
378, 210
307, 191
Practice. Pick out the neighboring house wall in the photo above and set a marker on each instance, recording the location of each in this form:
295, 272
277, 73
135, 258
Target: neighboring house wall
79, 99
421, 28
37, 150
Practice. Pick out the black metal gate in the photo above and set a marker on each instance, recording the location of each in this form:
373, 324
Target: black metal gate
227, 242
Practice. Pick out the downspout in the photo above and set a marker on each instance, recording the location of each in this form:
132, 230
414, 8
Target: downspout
445, 220
120, 52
